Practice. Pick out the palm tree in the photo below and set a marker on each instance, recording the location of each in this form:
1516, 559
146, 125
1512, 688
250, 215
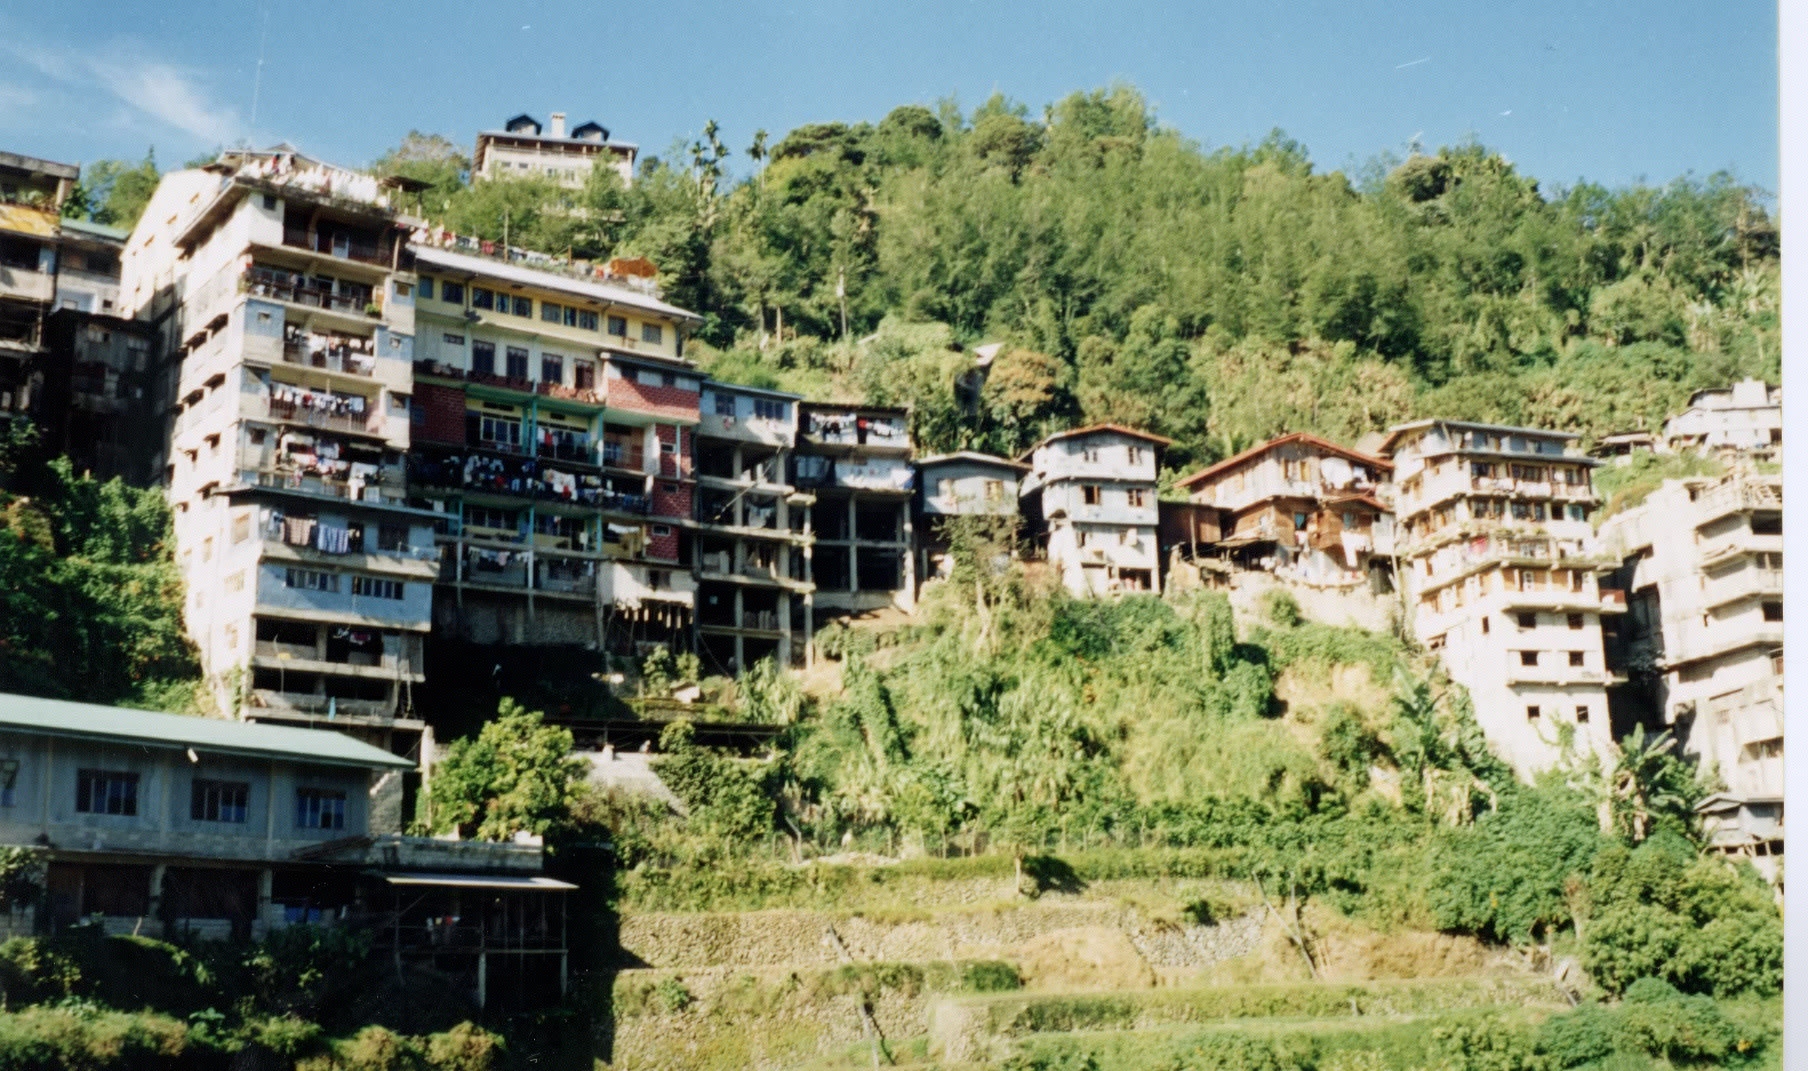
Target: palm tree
1640, 784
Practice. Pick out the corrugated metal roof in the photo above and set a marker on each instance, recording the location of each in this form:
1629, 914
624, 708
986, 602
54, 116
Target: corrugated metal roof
482, 881
57, 717
546, 280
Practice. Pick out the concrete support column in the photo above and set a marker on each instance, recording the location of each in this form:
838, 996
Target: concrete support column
784, 629
266, 885
155, 909
740, 622
853, 547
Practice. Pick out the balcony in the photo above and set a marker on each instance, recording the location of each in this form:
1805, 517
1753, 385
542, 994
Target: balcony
575, 449
520, 479
336, 244
1743, 584
294, 288
288, 412
324, 487
340, 356
620, 455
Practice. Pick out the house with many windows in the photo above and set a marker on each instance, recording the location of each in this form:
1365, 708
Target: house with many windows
280, 298
31, 192
1302, 506
1502, 574
1090, 496
523, 148
965, 483
555, 427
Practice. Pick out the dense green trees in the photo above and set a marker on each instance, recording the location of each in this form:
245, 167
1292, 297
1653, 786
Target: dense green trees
90, 601
1217, 296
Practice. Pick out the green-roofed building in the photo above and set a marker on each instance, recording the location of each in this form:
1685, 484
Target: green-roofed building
160, 824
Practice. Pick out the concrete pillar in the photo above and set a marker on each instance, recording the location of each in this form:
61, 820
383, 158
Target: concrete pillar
784, 629
740, 622
853, 548
155, 910
266, 884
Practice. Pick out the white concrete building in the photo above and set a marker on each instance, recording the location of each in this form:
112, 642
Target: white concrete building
284, 309
522, 148
1705, 558
1746, 417
1092, 493
1500, 567
961, 484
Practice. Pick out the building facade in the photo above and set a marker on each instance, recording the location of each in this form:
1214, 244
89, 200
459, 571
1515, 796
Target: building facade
1744, 418
1501, 569
522, 149
165, 825
555, 422
1090, 495
754, 541
1703, 559
31, 193
281, 298
855, 460
1302, 506
961, 484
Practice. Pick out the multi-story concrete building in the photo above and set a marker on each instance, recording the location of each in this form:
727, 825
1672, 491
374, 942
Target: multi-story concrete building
95, 404
521, 148
1746, 418
282, 298
31, 192
1090, 495
1501, 572
1302, 505
961, 484
555, 423
1703, 564
88, 266
755, 598
856, 460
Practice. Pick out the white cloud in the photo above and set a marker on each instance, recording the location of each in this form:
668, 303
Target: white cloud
149, 87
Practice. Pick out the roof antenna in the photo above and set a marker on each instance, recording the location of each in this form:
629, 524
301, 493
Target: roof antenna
257, 82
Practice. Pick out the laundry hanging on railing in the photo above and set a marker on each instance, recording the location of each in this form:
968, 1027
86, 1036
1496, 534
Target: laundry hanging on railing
333, 540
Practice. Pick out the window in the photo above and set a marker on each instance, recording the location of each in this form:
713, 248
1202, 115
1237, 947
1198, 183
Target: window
1089, 494
482, 517
1089, 454
1575, 658
218, 801
377, 587
1138, 497
517, 363
498, 430
483, 357
319, 808
1575, 621
426, 288
269, 202
1136, 455
1079, 537
1481, 470
994, 490
551, 313
392, 537
482, 298
1485, 626
1528, 658
241, 528
1575, 582
1528, 620
521, 306
451, 339
207, 549
552, 368
1773, 611
106, 792
583, 375
311, 580
725, 404
658, 580
403, 290
586, 320
1581, 715
944, 488
662, 530
1531, 713
771, 408
618, 325
454, 294
652, 333
9, 781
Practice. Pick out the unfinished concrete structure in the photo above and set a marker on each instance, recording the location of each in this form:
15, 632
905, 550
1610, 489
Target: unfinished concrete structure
754, 541
856, 460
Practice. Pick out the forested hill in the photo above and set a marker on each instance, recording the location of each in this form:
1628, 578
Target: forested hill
1218, 296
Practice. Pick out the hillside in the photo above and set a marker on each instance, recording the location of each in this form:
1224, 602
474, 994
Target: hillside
1035, 832
1217, 295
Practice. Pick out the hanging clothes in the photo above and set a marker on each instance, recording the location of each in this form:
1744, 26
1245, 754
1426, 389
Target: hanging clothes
334, 540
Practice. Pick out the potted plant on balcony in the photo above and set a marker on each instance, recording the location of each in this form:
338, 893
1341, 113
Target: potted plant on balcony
373, 309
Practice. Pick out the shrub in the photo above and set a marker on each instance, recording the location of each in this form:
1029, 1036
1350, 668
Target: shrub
671, 997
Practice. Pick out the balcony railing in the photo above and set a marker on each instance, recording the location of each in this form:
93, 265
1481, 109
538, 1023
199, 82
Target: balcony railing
290, 287
580, 451
318, 485
324, 419
622, 456
333, 358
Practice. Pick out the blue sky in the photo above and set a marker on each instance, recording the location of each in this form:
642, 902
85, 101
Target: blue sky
1612, 92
